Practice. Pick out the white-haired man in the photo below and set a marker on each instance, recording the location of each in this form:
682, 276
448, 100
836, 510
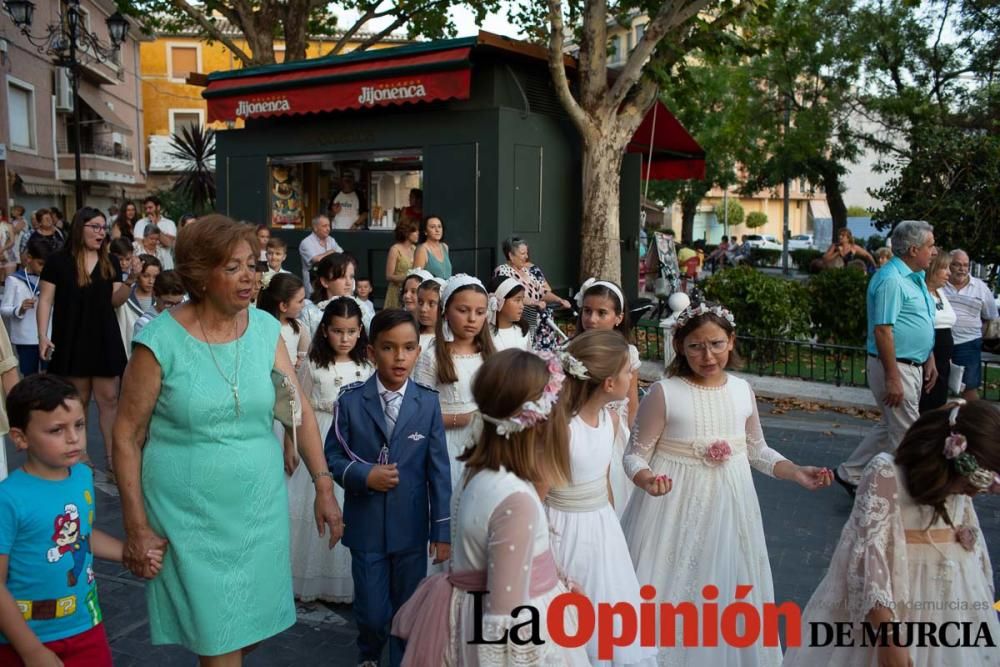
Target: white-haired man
315, 247
900, 342
974, 306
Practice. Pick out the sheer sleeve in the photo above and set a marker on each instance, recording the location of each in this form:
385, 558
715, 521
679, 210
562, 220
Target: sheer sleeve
649, 425
872, 548
510, 546
762, 457
425, 370
971, 519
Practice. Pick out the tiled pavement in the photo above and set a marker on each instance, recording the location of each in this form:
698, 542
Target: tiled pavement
802, 529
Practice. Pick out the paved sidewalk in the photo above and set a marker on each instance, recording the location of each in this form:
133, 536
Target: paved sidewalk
802, 529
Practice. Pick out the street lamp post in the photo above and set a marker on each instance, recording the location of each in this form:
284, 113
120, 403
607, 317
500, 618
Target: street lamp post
62, 41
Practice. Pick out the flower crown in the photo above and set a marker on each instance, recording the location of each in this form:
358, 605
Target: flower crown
537, 411
574, 366
965, 463
703, 308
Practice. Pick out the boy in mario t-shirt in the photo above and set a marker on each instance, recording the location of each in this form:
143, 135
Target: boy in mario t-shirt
49, 613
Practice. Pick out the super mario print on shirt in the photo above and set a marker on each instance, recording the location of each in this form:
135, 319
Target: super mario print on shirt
45, 529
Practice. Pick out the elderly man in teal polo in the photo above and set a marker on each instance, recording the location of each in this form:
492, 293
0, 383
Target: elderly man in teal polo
900, 341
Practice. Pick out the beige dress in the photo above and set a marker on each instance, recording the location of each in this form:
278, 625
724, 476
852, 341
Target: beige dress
403, 264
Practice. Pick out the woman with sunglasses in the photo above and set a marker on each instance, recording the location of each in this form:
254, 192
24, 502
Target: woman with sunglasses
80, 288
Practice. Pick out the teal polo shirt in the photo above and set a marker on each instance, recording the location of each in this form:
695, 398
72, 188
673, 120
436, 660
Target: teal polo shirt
898, 296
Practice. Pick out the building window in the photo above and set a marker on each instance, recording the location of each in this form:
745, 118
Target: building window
628, 38
181, 118
640, 30
183, 60
21, 103
615, 50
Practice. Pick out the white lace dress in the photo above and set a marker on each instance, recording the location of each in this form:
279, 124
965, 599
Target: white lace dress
621, 484
455, 398
879, 560
319, 573
708, 529
511, 337
587, 539
426, 341
500, 528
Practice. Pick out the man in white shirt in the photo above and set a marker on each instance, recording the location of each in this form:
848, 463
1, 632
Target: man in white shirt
168, 230
347, 208
315, 247
974, 306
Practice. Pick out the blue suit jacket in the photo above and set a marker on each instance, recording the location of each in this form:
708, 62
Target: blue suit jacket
416, 511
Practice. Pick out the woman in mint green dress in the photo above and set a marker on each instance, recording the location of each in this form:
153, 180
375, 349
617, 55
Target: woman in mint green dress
432, 254
208, 483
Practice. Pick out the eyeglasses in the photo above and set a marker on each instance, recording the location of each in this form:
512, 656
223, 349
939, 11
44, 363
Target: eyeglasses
94, 227
714, 346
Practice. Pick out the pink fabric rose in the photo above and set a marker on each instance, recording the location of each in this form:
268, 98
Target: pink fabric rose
954, 445
966, 536
718, 452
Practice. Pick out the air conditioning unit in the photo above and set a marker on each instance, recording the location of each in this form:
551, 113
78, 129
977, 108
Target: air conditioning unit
63, 89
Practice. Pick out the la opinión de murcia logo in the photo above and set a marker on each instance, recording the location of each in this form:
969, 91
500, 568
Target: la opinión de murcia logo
245, 109
739, 624
373, 95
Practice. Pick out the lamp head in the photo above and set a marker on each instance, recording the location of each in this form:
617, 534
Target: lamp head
21, 12
117, 29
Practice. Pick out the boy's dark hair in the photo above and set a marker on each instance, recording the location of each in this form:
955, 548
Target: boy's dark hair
277, 243
38, 248
43, 392
168, 282
151, 198
390, 318
150, 260
321, 352
362, 279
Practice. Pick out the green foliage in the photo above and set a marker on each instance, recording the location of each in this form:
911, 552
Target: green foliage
764, 306
837, 306
874, 242
756, 219
735, 212
195, 146
804, 257
858, 212
952, 180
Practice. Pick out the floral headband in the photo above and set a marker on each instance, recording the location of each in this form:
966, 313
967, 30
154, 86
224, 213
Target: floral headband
498, 297
574, 366
965, 463
533, 412
594, 282
703, 308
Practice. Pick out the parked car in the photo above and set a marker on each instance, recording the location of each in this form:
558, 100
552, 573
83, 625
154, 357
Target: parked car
802, 242
765, 242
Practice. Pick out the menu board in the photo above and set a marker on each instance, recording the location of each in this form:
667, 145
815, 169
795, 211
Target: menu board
286, 196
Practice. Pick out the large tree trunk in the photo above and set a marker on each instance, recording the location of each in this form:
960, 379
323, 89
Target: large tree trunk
296, 26
834, 198
600, 250
689, 206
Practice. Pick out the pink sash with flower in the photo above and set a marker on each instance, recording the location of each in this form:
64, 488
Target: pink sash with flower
423, 620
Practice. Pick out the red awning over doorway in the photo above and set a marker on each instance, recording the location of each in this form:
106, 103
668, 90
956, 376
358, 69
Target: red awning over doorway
339, 84
675, 154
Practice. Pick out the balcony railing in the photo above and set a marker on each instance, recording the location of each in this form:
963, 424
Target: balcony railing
90, 146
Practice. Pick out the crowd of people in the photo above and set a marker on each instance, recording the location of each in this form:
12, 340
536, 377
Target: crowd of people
276, 438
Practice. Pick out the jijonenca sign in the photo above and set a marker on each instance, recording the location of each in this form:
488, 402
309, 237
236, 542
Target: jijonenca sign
245, 109
374, 95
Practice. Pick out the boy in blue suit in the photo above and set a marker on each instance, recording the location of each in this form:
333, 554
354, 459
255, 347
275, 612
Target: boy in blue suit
387, 449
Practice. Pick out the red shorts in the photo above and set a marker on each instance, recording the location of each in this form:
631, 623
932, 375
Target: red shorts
87, 649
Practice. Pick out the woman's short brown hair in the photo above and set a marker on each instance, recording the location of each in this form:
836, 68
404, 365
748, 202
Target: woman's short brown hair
202, 248
404, 228
845, 230
930, 477
540, 454
941, 260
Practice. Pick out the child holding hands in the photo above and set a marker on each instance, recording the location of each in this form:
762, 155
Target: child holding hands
49, 614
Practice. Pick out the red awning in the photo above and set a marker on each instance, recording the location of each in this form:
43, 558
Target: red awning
326, 84
675, 154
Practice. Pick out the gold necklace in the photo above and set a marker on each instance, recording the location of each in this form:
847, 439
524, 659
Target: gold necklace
233, 383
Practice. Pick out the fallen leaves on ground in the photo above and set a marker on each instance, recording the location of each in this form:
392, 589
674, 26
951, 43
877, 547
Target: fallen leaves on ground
781, 406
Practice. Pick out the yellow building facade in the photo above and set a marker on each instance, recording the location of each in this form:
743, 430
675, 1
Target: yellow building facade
170, 103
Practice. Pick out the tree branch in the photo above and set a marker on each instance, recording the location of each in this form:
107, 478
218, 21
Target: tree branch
212, 31
350, 32
557, 67
377, 37
670, 15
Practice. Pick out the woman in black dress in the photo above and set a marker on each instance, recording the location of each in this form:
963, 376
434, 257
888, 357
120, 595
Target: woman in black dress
80, 288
